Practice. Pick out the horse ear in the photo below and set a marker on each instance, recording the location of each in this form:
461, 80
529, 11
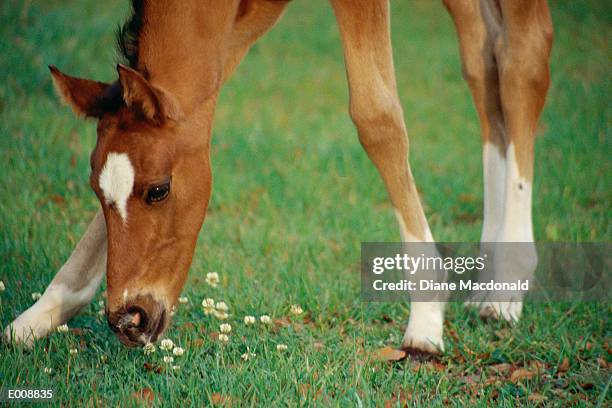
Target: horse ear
85, 97
155, 104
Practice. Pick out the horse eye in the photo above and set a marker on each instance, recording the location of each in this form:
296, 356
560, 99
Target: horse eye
158, 193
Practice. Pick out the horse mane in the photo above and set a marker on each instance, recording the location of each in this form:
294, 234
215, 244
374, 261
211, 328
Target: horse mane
128, 34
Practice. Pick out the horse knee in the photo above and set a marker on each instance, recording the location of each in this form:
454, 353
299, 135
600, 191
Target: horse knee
380, 124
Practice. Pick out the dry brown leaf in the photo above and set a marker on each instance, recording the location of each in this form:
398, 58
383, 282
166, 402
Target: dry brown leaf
283, 322
307, 319
153, 367
602, 362
197, 343
388, 354
436, 365
213, 336
536, 398
469, 379
538, 366
220, 399
187, 326
58, 199
564, 366
502, 333
587, 385
77, 331
146, 394
467, 198
453, 334
521, 374
317, 345
502, 368
493, 379
306, 391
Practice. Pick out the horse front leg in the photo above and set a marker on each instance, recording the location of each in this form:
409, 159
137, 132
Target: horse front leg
73, 287
377, 113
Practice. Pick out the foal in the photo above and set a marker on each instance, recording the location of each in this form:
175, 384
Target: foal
151, 169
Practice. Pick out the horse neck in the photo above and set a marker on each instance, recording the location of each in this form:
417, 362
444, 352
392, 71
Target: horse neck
181, 48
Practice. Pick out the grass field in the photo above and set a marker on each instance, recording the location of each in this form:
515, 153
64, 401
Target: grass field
294, 195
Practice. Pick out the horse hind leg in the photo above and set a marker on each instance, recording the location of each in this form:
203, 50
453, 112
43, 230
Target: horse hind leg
495, 42
522, 55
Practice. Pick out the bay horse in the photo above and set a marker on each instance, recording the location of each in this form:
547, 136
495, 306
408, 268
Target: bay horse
151, 169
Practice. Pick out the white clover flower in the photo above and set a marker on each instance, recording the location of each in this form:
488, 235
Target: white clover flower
212, 278
183, 299
104, 359
221, 315
101, 312
225, 328
172, 310
221, 311
149, 348
223, 338
48, 370
166, 344
62, 328
73, 351
296, 310
2, 287
178, 351
101, 303
36, 296
176, 367
265, 319
168, 359
281, 347
209, 306
248, 355
249, 320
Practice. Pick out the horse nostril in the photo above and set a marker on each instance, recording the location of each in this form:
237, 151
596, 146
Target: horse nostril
135, 317
138, 322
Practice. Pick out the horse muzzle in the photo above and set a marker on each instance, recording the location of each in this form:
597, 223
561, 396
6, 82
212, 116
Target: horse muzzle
139, 321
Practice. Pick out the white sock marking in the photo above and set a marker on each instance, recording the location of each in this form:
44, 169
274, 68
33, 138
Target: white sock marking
409, 237
117, 181
72, 288
513, 261
494, 175
425, 324
517, 226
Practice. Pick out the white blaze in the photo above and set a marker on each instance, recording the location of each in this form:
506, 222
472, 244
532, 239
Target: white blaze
117, 181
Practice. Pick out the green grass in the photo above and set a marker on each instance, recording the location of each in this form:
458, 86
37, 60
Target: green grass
294, 195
